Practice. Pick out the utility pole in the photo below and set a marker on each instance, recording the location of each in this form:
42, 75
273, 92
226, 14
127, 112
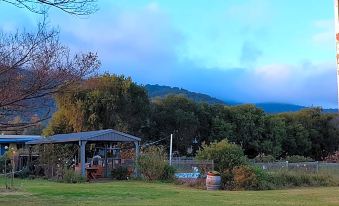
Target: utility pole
170, 156
336, 15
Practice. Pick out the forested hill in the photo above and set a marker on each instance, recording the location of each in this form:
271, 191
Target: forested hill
272, 107
155, 91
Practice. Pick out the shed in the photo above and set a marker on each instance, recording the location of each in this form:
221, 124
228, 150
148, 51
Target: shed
16, 141
82, 138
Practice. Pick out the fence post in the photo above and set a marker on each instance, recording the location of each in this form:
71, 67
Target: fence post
287, 165
317, 166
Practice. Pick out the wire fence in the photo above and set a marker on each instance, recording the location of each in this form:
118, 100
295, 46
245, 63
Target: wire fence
300, 166
187, 168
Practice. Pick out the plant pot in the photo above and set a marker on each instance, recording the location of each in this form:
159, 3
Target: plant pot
213, 180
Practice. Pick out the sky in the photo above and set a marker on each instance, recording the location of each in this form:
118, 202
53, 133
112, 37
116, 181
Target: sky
246, 51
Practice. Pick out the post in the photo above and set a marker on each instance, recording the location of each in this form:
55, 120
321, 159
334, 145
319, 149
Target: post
82, 145
13, 169
170, 155
6, 171
336, 18
287, 165
106, 166
5, 154
29, 157
137, 153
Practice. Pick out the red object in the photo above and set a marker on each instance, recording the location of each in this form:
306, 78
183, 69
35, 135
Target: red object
212, 174
91, 173
337, 36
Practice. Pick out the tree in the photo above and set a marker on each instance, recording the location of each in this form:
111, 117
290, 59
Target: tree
101, 102
249, 124
175, 114
33, 67
225, 155
75, 7
274, 134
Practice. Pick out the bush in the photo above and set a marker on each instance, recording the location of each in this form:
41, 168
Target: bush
264, 179
168, 173
227, 180
152, 163
264, 158
70, 176
244, 178
283, 179
226, 156
298, 158
247, 177
24, 173
3, 159
120, 173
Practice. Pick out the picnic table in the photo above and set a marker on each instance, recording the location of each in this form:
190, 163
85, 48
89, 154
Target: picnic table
91, 173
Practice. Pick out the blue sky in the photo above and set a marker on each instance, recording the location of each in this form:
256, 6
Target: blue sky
240, 50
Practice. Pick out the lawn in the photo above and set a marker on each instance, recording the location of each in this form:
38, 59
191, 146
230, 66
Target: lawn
41, 192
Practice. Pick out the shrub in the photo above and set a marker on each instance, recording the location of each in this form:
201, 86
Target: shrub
70, 176
226, 156
227, 180
120, 173
244, 178
264, 179
152, 163
298, 158
168, 173
24, 173
264, 158
3, 159
247, 177
283, 179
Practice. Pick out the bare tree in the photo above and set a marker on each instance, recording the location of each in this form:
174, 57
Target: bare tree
33, 67
75, 7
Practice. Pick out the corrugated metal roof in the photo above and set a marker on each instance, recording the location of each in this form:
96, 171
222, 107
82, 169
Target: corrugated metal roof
18, 138
98, 135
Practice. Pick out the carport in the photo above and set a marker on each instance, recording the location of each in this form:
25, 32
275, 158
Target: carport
82, 138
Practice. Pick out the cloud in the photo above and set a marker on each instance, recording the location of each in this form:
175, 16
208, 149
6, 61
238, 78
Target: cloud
13, 18
325, 34
142, 42
253, 13
249, 54
306, 84
140, 37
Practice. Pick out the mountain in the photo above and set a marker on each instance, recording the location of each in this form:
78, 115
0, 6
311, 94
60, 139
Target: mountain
155, 91
272, 107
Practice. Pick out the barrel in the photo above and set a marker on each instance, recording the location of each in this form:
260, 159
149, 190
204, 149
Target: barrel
213, 181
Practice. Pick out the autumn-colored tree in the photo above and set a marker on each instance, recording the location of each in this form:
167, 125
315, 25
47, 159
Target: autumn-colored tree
101, 102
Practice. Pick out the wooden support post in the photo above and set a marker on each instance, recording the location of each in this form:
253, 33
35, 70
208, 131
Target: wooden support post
137, 153
29, 160
82, 145
106, 165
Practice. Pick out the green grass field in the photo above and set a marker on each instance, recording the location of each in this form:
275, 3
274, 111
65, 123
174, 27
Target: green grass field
40, 192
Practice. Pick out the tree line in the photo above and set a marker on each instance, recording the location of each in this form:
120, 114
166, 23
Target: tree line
110, 101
